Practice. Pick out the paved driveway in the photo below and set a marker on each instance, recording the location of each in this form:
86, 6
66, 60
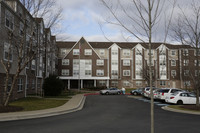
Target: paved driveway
108, 114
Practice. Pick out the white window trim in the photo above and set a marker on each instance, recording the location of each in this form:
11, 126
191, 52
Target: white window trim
172, 62
126, 73
65, 72
76, 52
100, 62
100, 72
88, 51
65, 62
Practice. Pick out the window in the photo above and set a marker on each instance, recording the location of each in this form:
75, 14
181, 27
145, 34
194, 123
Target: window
173, 62
173, 73
185, 62
114, 62
75, 51
102, 52
138, 62
126, 72
20, 84
100, 72
138, 83
63, 51
138, 52
126, 83
162, 72
162, 83
152, 51
126, 52
9, 83
65, 72
88, 72
173, 52
186, 72
197, 52
102, 83
76, 62
21, 29
138, 72
197, 73
114, 52
65, 61
88, 62
187, 83
9, 20
33, 84
114, 83
152, 62
100, 62
163, 62
185, 52
8, 52
33, 65
197, 62
114, 72
126, 63
75, 72
88, 52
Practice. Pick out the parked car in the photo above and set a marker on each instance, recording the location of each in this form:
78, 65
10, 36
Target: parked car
147, 91
137, 91
181, 98
166, 92
110, 91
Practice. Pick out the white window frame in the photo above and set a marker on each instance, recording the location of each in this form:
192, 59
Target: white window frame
100, 62
8, 50
138, 83
20, 85
65, 72
162, 83
102, 52
126, 83
126, 62
75, 72
10, 18
185, 62
185, 52
76, 51
88, 51
63, 51
100, 72
126, 52
173, 73
88, 72
33, 64
114, 72
173, 52
173, 62
126, 73
65, 62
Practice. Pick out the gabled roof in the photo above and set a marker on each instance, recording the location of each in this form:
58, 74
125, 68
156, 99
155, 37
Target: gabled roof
123, 45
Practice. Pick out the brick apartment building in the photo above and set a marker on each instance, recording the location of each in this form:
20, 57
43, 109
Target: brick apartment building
94, 64
125, 64
13, 18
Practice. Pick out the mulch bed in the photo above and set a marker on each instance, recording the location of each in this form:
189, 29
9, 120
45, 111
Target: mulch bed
191, 107
5, 109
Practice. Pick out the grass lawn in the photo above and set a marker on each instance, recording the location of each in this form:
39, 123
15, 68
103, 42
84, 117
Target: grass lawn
33, 103
184, 108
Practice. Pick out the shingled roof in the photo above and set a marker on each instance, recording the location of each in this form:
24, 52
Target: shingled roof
124, 45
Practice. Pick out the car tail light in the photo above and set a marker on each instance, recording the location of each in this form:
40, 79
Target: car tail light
171, 97
163, 94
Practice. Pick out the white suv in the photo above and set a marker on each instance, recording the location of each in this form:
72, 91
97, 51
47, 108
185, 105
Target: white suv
166, 92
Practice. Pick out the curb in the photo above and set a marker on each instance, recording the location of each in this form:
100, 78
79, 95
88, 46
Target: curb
180, 111
41, 113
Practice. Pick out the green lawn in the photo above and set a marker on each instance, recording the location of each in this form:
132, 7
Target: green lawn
33, 103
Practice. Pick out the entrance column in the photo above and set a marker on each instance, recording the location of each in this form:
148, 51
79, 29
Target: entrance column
68, 84
107, 83
95, 83
81, 83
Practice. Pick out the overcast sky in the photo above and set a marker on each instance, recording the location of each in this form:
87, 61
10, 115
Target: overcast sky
86, 18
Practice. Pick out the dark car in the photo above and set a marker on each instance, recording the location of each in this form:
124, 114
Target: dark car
137, 91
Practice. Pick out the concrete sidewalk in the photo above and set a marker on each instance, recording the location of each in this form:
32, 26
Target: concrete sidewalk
74, 104
180, 111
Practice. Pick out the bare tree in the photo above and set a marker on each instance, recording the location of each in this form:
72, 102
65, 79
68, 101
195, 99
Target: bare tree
143, 16
186, 30
47, 9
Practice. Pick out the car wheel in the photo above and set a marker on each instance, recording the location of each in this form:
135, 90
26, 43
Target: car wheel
179, 102
107, 93
135, 93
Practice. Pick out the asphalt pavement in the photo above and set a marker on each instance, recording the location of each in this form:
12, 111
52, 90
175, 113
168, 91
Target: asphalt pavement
108, 114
